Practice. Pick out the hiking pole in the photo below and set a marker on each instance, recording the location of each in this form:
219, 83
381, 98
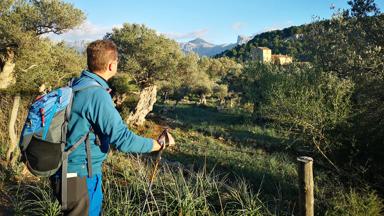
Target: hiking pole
153, 174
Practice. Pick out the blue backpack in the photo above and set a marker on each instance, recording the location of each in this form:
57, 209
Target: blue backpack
43, 139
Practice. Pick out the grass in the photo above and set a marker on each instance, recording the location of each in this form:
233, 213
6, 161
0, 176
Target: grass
176, 191
26, 197
232, 144
223, 164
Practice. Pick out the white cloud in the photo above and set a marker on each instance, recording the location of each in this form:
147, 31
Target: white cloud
85, 32
188, 35
238, 25
89, 31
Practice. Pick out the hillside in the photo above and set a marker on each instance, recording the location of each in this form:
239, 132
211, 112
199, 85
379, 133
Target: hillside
286, 41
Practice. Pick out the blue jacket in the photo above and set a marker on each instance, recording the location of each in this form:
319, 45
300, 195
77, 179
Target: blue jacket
94, 106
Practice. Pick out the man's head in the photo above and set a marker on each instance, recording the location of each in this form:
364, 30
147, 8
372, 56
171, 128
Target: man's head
102, 58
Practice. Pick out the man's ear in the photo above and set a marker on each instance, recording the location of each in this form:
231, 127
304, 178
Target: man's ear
110, 66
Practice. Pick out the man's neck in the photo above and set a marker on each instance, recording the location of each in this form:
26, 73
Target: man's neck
102, 75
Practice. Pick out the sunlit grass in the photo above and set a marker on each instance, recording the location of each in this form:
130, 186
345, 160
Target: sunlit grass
221, 165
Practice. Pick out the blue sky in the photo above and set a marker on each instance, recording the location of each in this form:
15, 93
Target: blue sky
217, 21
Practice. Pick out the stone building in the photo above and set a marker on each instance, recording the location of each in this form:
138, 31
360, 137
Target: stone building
281, 59
264, 55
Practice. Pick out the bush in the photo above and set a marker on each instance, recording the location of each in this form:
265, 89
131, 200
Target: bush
307, 105
355, 203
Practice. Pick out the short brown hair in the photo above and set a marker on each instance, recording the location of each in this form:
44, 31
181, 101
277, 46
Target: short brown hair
99, 53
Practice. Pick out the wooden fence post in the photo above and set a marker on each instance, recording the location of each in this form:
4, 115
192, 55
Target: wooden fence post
306, 196
13, 152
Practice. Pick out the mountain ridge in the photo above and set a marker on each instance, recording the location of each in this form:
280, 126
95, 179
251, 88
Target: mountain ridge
204, 48
287, 41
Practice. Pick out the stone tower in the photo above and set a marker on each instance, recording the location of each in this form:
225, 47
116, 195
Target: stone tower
262, 54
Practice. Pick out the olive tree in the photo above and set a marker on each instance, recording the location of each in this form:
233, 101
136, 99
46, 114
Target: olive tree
306, 105
26, 59
221, 92
351, 46
22, 49
149, 58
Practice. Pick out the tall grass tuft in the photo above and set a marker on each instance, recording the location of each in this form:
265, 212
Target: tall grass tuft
33, 200
243, 201
176, 191
354, 203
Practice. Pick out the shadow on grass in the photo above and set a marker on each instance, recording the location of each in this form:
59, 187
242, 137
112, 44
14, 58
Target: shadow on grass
277, 190
23, 194
232, 127
191, 115
246, 138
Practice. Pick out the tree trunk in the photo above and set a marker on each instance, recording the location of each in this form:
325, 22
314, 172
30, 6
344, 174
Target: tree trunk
203, 99
231, 103
165, 97
6, 74
119, 99
12, 153
144, 106
175, 105
222, 102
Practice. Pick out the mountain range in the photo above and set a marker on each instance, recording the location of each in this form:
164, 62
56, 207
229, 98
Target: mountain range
204, 48
198, 45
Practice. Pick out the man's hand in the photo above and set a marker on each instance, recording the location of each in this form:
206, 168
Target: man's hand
165, 139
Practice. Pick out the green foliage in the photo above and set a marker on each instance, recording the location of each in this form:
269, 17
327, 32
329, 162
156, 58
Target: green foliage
220, 91
253, 82
360, 23
217, 68
197, 76
179, 92
22, 20
363, 8
353, 203
351, 46
348, 46
37, 59
145, 55
204, 85
307, 105
46, 63
187, 77
123, 83
232, 145
286, 41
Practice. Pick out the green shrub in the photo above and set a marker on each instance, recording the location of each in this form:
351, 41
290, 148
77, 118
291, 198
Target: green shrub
306, 105
353, 203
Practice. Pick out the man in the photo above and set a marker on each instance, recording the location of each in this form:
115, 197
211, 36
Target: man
93, 109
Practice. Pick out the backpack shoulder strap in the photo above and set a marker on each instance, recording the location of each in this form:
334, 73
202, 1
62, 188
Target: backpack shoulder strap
85, 85
75, 88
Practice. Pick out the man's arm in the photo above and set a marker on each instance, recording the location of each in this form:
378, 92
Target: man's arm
108, 121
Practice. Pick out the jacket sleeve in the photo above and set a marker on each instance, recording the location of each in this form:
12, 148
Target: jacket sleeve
108, 122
